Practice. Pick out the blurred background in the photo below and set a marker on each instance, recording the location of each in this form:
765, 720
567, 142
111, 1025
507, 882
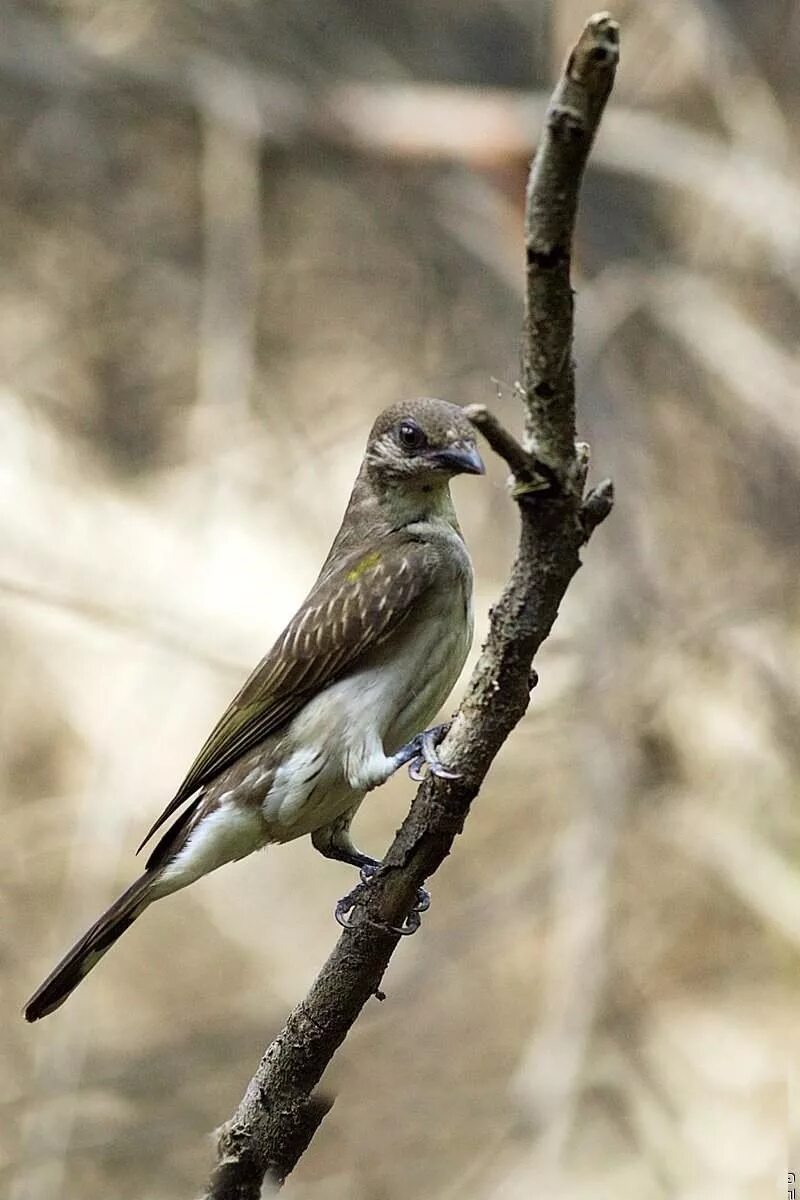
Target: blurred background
231, 232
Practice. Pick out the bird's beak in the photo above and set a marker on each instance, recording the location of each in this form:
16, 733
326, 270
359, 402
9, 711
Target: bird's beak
461, 458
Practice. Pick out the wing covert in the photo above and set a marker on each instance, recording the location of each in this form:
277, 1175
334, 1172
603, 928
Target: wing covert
346, 614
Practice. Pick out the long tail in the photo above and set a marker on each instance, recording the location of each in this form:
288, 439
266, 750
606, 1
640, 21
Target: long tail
87, 952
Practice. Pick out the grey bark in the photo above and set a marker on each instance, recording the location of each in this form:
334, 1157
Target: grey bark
279, 1113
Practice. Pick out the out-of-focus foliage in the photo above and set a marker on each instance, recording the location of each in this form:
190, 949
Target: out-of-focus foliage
212, 280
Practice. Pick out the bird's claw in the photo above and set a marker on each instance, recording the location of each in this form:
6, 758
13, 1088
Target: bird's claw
426, 759
411, 922
345, 907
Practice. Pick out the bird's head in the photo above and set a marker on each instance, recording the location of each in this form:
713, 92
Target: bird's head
422, 444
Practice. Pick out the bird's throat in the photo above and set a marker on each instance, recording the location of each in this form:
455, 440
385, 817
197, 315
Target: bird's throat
409, 504
376, 510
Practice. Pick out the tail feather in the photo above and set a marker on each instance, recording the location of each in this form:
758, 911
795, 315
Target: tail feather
88, 950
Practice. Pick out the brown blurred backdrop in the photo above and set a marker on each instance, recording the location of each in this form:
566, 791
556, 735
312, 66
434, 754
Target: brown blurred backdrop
230, 232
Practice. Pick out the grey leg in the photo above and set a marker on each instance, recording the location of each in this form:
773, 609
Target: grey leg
334, 841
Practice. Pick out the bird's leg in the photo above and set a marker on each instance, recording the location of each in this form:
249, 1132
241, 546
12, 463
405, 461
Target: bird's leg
420, 753
333, 841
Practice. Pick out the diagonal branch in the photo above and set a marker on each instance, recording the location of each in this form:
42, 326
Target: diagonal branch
279, 1114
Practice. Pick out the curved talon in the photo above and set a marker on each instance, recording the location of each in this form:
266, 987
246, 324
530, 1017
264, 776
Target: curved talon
427, 760
421, 757
410, 924
416, 769
442, 772
347, 903
342, 912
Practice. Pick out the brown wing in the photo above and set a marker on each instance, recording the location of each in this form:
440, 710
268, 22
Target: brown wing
346, 614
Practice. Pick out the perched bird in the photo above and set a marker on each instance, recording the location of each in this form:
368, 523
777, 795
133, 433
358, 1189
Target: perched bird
339, 702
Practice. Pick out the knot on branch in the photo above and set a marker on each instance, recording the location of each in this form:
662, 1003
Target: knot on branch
546, 260
241, 1163
566, 124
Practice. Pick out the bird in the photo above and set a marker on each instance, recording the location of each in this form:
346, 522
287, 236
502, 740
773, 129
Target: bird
345, 696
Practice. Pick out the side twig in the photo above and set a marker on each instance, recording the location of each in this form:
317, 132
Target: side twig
279, 1114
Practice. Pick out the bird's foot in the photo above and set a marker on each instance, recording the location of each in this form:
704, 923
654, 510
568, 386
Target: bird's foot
420, 754
423, 902
411, 923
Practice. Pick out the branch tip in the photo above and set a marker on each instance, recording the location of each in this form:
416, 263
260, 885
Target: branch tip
500, 440
530, 475
596, 507
551, 207
597, 48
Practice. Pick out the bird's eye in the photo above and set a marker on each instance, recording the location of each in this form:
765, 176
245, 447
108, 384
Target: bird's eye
410, 436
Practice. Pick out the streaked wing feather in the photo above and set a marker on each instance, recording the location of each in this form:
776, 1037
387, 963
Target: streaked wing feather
346, 614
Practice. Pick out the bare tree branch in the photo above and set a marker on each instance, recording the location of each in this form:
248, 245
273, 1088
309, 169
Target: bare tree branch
279, 1114
550, 207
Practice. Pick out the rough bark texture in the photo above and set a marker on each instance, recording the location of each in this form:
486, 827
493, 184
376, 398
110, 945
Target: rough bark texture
279, 1114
